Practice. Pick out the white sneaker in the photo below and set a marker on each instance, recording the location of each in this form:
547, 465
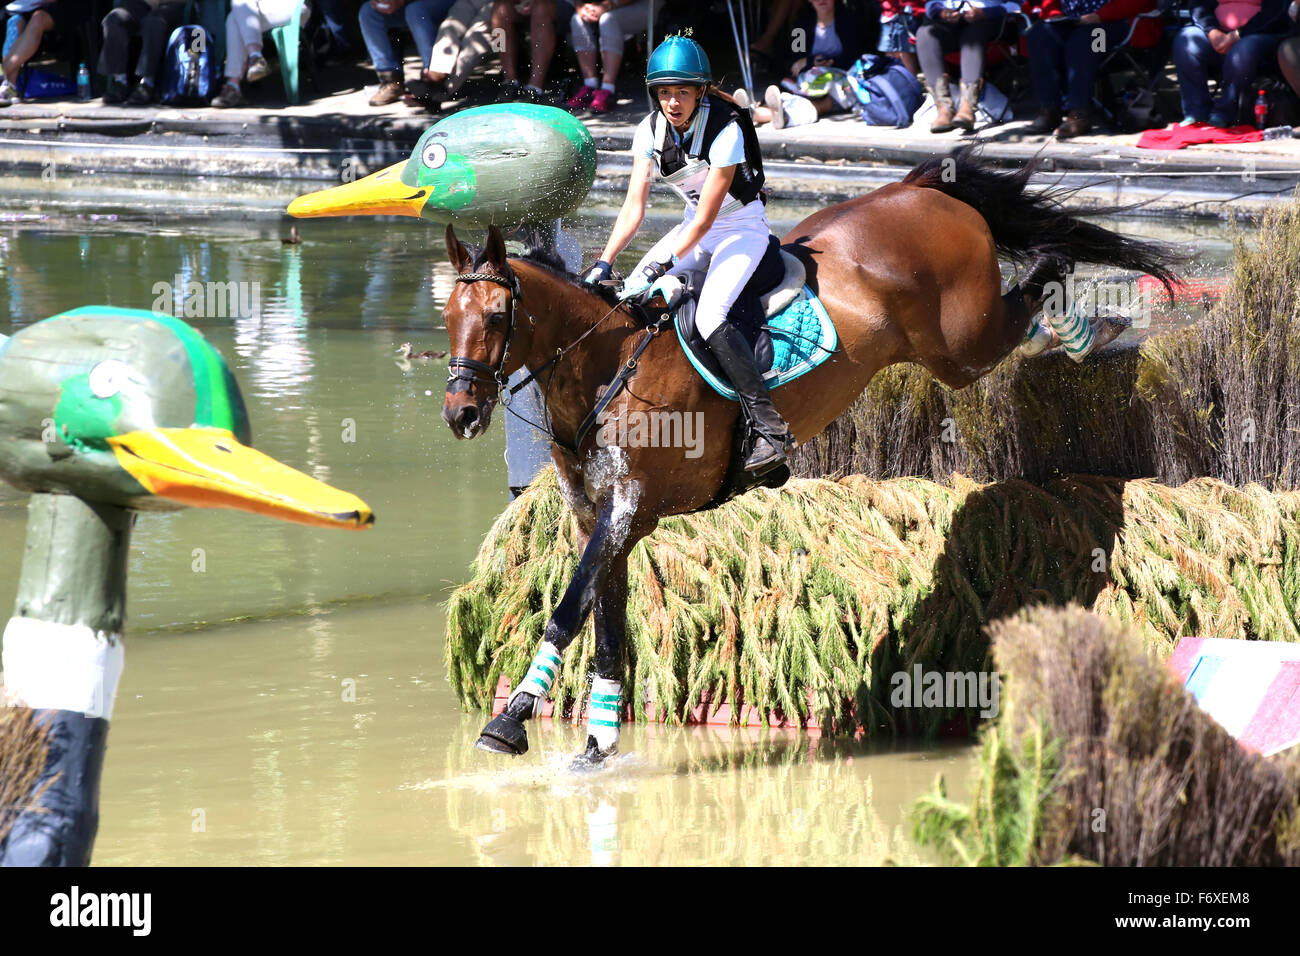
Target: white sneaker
9, 94
743, 100
772, 99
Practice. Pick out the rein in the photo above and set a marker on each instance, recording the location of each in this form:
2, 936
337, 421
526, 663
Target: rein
463, 371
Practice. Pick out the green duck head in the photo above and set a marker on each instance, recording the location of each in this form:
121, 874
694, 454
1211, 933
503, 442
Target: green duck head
132, 408
491, 164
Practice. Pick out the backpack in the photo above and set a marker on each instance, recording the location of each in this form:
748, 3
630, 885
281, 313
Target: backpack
888, 94
189, 68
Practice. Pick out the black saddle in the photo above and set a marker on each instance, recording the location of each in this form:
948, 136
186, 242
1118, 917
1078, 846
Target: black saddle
746, 315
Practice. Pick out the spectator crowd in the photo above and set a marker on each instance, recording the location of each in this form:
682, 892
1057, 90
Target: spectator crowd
1063, 53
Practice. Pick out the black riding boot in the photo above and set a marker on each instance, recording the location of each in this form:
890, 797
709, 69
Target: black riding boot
737, 360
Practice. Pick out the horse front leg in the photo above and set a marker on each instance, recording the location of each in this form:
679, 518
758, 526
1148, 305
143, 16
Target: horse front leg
605, 707
505, 733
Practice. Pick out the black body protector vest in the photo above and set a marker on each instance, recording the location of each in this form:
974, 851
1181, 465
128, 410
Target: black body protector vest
684, 166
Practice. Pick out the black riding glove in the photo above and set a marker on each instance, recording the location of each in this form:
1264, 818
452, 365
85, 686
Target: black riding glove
597, 273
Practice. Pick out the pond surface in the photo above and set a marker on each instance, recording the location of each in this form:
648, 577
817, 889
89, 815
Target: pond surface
284, 699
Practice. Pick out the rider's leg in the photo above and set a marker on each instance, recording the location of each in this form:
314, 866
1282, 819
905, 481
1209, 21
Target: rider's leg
736, 254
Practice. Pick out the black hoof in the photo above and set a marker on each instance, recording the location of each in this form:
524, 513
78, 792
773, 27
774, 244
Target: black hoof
504, 735
593, 758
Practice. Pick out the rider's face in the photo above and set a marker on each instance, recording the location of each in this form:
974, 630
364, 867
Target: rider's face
678, 103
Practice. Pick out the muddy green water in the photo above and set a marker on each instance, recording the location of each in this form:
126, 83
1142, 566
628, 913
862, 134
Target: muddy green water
284, 699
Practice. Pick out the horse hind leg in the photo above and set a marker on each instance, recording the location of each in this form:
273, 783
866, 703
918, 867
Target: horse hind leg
1045, 290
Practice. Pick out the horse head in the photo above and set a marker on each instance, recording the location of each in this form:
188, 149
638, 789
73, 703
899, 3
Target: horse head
488, 332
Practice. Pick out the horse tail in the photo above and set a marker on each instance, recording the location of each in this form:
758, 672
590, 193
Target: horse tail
1034, 226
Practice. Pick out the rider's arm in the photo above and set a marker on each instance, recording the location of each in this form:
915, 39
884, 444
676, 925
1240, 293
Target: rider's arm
633, 211
712, 196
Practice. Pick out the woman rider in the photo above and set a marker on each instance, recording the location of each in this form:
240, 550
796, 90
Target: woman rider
697, 144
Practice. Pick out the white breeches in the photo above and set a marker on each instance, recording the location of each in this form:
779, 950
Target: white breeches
728, 254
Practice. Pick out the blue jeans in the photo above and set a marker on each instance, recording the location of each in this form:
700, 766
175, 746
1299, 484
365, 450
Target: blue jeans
421, 17
1062, 62
1194, 59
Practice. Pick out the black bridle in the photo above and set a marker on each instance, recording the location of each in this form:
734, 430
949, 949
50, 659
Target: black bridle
463, 372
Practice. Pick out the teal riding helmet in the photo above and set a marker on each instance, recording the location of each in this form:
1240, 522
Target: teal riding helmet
678, 60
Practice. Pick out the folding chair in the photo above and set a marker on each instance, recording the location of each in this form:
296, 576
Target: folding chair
1145, 67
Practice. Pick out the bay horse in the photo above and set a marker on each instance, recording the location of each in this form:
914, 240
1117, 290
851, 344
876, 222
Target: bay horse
907, 273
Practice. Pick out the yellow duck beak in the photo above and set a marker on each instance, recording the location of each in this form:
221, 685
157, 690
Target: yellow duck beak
379, 194
209, 468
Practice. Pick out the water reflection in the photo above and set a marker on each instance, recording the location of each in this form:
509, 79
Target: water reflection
693, 795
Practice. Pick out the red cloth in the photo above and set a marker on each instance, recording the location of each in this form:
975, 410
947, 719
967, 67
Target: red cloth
1148, 32
1176, 137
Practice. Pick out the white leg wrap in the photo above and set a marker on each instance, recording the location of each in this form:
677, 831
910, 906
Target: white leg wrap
51, 666
1038, 338
605, 713
1075, 332
541, 672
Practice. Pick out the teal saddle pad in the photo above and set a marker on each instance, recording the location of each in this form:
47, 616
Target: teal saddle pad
802, 335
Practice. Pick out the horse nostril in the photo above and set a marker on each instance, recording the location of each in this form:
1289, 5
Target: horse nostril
468, 416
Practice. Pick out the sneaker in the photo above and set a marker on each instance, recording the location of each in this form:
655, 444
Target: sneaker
258, 68
228, 97
142, 95
743, 100
9, 94
1220, 120
1190, 120
115, 94
390, 91
580, 99
602, 101
772, 99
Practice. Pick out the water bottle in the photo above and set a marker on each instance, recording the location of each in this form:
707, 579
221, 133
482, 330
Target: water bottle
1279, 132
83, 83
1261, 110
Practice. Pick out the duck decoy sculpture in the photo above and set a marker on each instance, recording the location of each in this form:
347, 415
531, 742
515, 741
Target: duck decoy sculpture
491, 164
105, 412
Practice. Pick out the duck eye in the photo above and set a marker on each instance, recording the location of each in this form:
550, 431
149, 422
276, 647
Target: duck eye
435, 154
108, 378
226, 448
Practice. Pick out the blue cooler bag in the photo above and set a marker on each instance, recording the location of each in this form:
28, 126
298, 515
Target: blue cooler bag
888, 94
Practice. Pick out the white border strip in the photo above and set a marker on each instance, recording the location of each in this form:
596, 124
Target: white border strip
51, 666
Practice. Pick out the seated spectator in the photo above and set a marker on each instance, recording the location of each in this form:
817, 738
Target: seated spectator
898, 24
779, 21
421, 17
968, 25
245, 24
153, 21
832, 37
23, 35
464, 38
1236, 37
1066, 48
333, 35
1288, 54
614, 21
540, 17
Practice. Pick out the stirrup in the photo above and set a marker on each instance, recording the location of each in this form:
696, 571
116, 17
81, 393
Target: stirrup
780, 451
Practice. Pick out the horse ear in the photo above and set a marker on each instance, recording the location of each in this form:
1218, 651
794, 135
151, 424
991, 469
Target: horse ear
457, 254
495, 252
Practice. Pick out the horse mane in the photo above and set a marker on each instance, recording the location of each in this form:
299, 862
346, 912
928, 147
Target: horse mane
550, 260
